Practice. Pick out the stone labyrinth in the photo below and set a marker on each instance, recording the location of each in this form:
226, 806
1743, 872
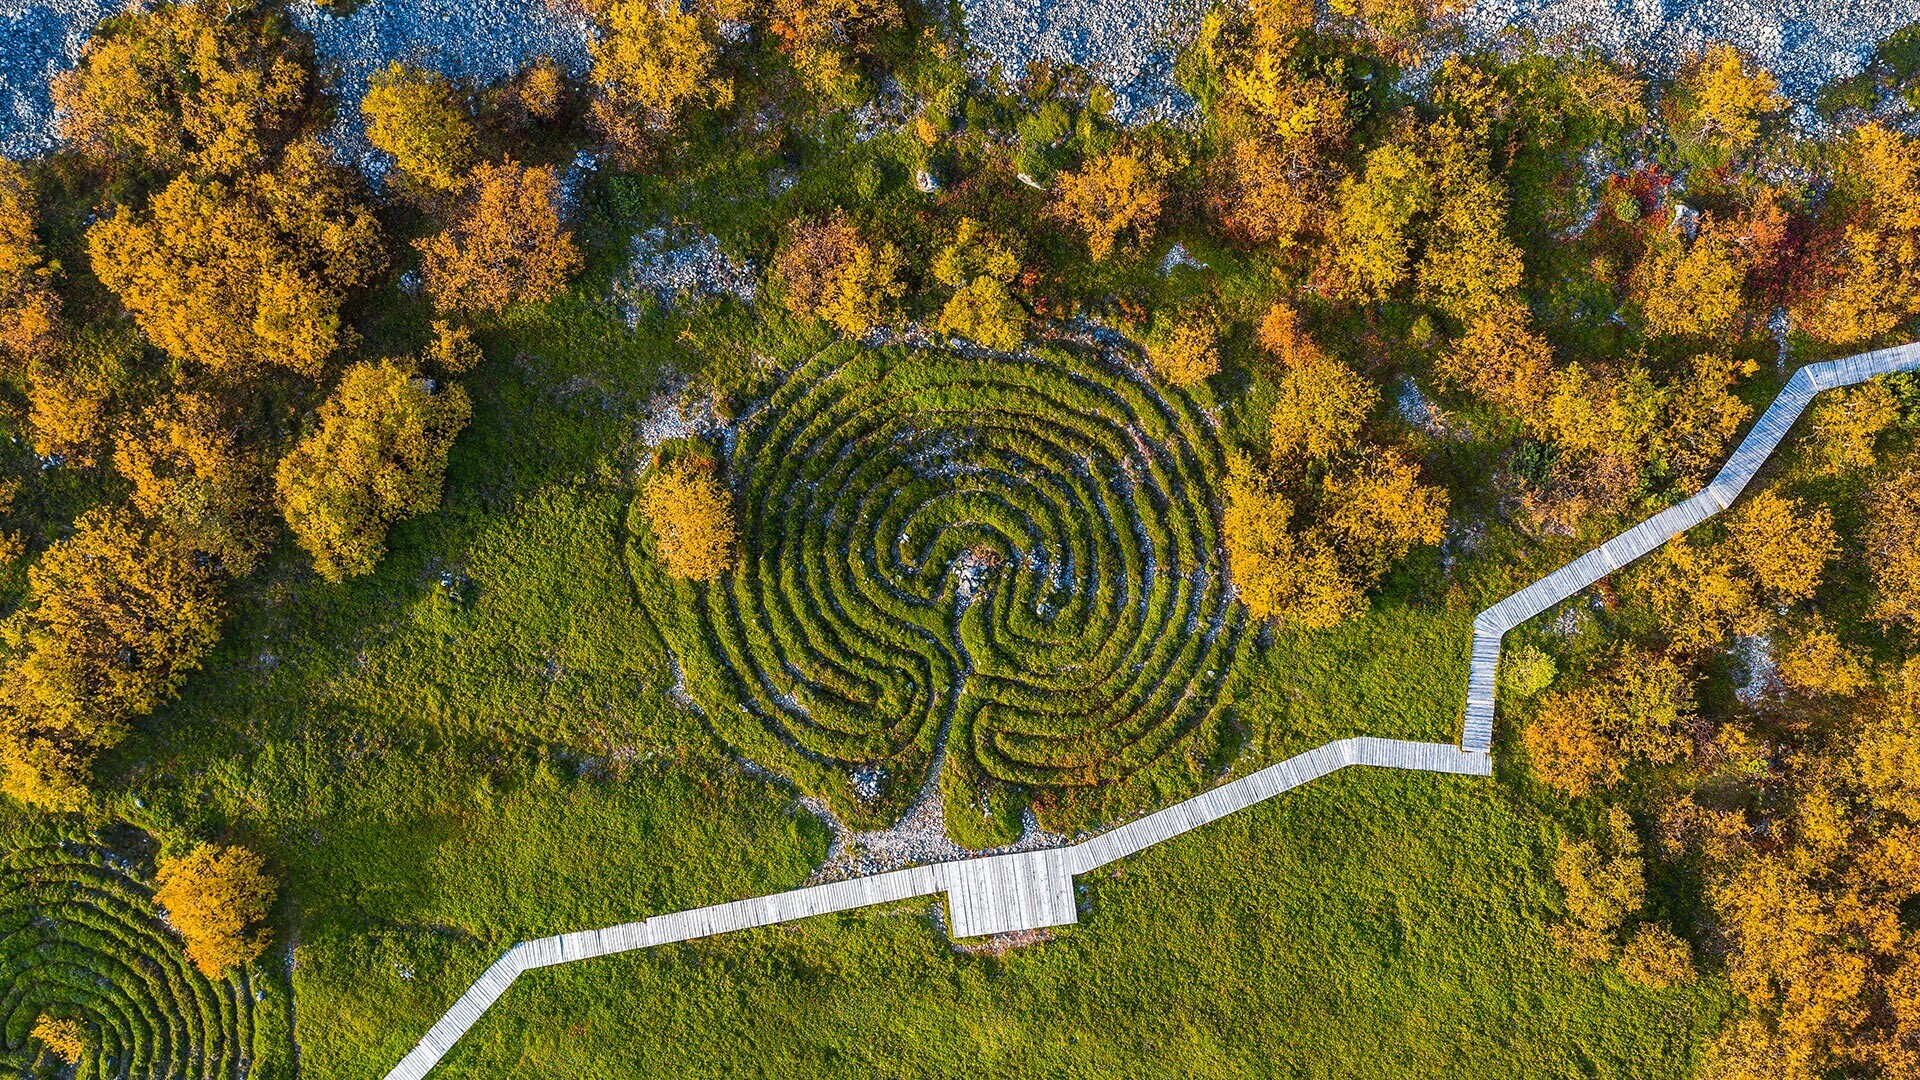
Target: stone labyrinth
80, 939
1015, 560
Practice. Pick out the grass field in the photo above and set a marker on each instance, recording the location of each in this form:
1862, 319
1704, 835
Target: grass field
475, 745
1373, 925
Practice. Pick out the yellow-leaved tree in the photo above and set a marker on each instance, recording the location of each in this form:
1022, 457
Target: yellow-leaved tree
1692, 289
1776, 553
217, 898
820, 37
1602, 889
1427, 205
1469, 266
690, 515
419, 118
28, 305
1278, 572
378, 455
1503, 359
1812, 908
1286, 128
116, 616
63, 1037
73, 392
1373, 225
653, 64
206, 86
829, 271
1848, 422
1893, 546
1720, 101
1115, 194
189, 468
1322, 406
248, 273
1308, 536
1184, 351
979, 267
508, 244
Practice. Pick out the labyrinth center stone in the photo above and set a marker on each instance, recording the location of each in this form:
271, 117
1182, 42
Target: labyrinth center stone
1018, 556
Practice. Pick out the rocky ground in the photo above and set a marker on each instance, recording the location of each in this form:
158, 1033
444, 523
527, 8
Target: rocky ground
671, 266
1805, 43
482, 40
37, 39
1129, 43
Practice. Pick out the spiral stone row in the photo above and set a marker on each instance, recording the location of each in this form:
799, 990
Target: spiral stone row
1020, 554
80, 939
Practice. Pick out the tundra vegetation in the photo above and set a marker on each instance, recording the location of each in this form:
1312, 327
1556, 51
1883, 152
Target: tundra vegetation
389, 576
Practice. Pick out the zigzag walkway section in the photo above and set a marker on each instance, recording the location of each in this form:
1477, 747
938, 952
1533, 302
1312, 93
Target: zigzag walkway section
995, 894
1491, 625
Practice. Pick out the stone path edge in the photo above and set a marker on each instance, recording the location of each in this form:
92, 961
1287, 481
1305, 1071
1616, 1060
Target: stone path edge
1028, 890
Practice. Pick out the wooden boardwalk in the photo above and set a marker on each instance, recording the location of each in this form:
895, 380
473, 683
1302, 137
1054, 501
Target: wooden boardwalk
1028, 890
989, 895
1491, 625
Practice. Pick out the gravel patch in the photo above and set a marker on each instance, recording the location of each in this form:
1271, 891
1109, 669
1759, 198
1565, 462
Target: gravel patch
674, 412
39, 39
484, 41
671, 266
1805, 43
1128, 44
1758, 671
1177, 258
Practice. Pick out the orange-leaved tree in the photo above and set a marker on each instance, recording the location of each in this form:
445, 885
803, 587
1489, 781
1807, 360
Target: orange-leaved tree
28, 304
202, 86
829, 271
1867, 255
248, 273
508, 245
